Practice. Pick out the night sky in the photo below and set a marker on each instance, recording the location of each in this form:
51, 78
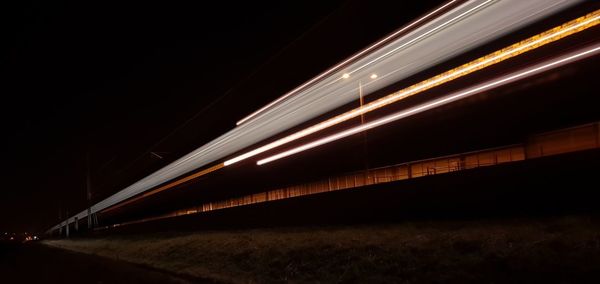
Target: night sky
111, 82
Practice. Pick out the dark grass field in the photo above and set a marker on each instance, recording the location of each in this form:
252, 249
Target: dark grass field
548, 249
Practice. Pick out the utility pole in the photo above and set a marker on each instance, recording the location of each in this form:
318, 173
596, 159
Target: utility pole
88, 185
59, 220
364, 134
67, 224
361, 101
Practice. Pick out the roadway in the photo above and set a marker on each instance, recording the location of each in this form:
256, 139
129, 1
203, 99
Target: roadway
37, 263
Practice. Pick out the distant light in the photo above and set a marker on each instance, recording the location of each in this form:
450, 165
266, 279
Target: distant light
373, 76
346, 76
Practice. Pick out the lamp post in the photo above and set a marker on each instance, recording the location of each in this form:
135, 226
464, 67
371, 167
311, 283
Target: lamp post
361, 100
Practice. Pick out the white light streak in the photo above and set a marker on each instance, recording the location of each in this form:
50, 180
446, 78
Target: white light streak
352, 58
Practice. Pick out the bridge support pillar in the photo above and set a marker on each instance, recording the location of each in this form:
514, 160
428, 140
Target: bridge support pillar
95, 217
67, 227
76, 224
89, 218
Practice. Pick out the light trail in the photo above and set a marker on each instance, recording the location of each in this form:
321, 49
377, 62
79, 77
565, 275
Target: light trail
166, 186
511, 51
490, 22
423, 35
352, 58
528, 72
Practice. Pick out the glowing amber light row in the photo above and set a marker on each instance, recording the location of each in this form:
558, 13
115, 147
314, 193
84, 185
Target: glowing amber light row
436, 103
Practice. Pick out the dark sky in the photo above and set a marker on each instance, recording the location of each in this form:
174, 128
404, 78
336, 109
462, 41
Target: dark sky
115, 80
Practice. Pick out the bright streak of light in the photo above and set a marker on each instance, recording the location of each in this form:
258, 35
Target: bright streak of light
352, 58
439, 102
511, 51
423, 35
167, 186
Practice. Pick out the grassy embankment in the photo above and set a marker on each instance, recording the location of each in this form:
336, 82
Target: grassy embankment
563, 249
